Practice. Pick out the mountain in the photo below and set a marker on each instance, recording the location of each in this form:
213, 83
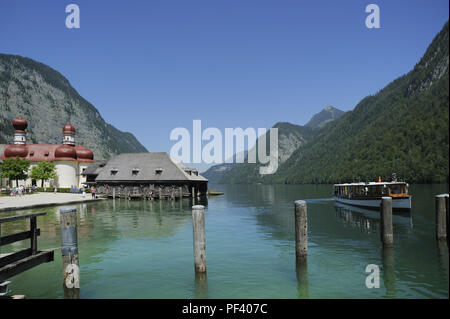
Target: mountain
328, 114
290, 137
47, 101
403, 129
215, 173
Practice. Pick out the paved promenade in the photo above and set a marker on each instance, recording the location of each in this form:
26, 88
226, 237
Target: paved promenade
8, 203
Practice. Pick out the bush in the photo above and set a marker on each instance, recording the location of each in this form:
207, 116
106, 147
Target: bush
60, 190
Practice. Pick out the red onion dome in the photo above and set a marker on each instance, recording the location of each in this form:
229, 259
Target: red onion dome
68, 129
84, 153
20, 124
65, 152
16, 151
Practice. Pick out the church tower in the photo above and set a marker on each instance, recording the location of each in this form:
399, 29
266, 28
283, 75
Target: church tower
69, 134
20, 136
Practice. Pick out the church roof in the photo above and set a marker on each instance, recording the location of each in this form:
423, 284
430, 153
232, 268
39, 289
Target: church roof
46, 152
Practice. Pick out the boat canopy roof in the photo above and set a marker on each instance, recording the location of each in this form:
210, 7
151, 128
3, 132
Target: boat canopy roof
371, 184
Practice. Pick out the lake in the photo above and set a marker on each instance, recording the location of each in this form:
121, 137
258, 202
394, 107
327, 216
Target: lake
143, 249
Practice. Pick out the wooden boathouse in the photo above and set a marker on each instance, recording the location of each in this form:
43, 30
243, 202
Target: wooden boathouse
146, 175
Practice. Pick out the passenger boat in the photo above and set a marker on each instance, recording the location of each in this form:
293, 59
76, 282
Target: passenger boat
370, 194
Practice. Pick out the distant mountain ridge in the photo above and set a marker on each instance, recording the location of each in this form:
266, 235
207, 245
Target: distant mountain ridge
47, 101
290, 138
328, 114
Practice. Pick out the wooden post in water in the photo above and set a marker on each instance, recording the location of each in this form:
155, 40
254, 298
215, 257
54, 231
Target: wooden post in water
193, 192
387, 232
160, 193
198, 222
114, 193
181, 192
69, 251
33, 230
446, 209
301, 230
441, 216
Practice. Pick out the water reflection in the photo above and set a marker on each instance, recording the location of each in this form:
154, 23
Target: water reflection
201, 285
301, 269
110, 219
387, 256
368, 221
443, 257
139, 244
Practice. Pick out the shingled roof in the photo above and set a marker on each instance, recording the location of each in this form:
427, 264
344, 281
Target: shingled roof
95, 168
146, 167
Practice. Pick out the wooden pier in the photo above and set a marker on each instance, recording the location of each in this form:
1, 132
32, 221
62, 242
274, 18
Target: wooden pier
144, 192
15, 263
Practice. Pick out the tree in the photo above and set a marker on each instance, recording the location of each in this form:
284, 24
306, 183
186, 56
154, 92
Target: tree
15, 169
43, 171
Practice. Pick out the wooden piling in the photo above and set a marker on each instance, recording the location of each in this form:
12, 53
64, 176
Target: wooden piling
198, 222
441, 216
193, 192
301, 230
114, 193
33, 238
160, 193
447, 217
69, 252
387, 232
181, 192
301, 269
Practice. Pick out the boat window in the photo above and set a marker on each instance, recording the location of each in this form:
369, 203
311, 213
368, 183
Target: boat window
396, 189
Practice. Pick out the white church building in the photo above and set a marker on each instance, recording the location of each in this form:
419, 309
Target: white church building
70, 159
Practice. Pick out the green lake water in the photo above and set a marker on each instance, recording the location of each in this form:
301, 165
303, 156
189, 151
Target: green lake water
143, 249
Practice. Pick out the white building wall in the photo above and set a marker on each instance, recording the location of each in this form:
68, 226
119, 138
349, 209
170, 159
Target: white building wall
67, 174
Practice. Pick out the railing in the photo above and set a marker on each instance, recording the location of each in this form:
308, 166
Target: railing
15, 263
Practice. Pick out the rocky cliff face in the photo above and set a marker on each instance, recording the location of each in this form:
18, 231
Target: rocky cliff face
47, 101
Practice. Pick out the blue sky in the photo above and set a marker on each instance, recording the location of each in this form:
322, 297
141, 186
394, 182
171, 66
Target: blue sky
151, 66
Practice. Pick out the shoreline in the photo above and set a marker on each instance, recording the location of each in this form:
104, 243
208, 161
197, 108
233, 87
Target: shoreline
41, 200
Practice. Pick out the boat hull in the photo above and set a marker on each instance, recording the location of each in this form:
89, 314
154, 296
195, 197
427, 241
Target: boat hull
397, 203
